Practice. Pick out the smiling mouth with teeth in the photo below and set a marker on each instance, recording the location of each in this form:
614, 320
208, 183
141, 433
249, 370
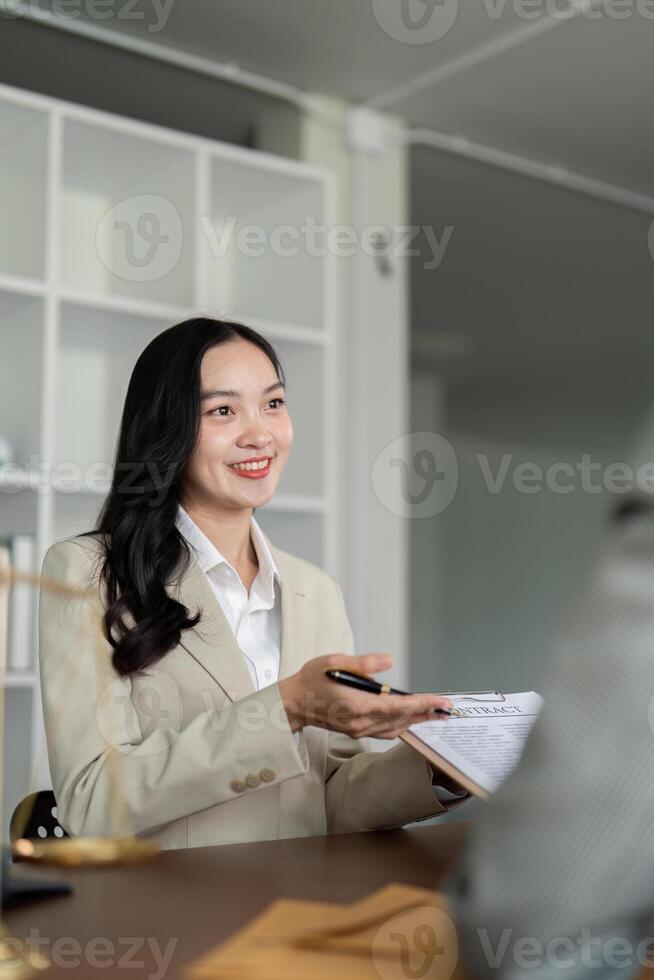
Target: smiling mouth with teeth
253, 469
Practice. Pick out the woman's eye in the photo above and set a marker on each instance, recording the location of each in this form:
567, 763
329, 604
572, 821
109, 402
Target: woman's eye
276, 402
220, 410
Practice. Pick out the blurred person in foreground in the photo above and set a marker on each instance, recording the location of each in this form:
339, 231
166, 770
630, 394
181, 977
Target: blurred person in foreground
558, 877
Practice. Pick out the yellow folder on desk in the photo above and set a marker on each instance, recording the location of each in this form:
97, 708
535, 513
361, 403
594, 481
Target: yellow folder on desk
395, 933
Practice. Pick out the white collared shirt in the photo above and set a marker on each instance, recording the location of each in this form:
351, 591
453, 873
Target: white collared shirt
255, 618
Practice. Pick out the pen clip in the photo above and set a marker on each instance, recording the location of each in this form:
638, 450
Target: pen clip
355, 673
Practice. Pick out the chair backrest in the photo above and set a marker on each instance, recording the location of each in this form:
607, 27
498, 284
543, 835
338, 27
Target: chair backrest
36, 816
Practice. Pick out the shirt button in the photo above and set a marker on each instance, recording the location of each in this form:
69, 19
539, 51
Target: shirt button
267, 774
252, 780
237, 785
268, 674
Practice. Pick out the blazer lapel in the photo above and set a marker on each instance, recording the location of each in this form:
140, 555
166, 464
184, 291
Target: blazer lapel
296, 616
212, 642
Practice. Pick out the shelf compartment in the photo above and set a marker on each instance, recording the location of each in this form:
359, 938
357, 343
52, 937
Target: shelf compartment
98, 351
23, 182
127, 215
18, 513
270, 285
21, 338
75, 513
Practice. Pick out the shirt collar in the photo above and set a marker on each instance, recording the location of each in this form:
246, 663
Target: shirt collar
208, 555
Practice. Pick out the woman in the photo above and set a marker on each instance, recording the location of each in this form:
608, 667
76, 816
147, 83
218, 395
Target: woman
183, 685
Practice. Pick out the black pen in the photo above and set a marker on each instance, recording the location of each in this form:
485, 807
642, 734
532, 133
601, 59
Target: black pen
370, 686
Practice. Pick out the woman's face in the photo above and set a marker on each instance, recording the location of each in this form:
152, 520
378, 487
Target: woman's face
244, 420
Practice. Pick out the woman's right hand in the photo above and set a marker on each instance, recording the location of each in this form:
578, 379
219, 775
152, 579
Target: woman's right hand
312, 698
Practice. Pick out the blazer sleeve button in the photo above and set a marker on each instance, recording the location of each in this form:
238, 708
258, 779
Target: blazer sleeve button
267, 774
237, 785
252, 780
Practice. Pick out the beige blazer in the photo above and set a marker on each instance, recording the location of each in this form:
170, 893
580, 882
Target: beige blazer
190, 754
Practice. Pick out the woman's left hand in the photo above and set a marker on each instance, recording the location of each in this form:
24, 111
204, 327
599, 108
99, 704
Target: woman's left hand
441, 779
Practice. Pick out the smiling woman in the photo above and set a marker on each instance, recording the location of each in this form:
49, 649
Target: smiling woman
258, 411
209, 710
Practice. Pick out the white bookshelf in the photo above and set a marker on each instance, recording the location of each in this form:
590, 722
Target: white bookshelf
74, 318
264, 285
23, 163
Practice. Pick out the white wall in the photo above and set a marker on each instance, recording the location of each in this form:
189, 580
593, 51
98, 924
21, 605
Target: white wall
504, 566
543, 305
427, 549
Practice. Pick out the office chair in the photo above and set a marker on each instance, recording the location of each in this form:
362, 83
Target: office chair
36, 816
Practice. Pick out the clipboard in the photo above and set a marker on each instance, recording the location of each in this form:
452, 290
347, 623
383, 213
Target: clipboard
476, 701
445, 766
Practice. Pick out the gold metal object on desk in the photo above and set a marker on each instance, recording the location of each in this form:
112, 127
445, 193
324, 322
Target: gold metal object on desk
69, 852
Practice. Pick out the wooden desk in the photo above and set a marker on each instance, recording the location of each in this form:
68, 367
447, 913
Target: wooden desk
200, 896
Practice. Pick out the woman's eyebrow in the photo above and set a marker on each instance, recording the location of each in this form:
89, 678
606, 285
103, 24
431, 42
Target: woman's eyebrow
230, 393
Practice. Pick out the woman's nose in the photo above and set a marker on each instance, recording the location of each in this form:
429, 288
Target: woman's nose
255, 434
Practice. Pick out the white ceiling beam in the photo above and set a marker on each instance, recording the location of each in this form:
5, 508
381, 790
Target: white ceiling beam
528, 167
223, 71
478, 55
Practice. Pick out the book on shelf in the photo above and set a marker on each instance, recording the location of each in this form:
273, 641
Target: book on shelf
22, 604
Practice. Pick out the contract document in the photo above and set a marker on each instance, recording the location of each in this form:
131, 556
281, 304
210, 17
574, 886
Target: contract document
481, 747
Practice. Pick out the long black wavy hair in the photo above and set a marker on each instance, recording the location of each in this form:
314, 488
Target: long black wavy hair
142, 548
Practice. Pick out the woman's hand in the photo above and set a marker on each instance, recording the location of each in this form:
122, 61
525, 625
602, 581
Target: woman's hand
446, 782
312, 698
